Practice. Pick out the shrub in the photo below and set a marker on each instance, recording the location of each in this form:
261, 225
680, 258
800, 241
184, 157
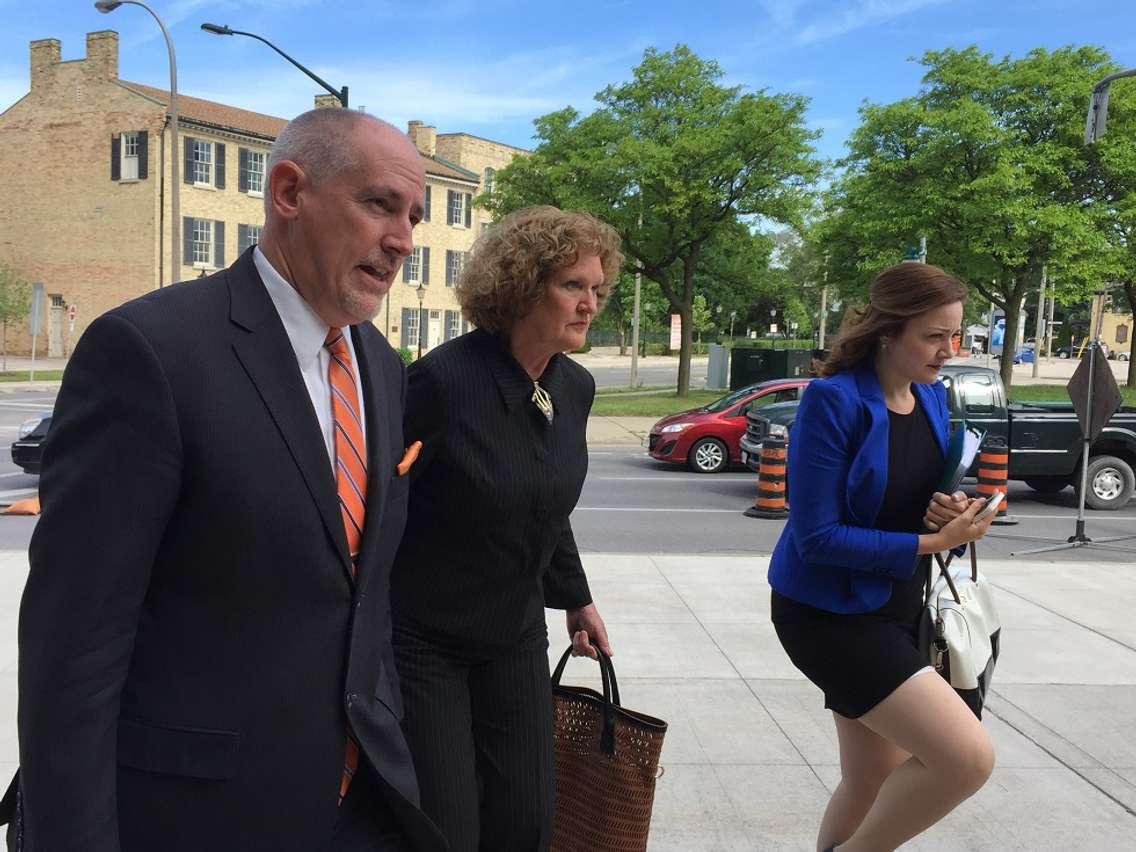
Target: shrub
406, 355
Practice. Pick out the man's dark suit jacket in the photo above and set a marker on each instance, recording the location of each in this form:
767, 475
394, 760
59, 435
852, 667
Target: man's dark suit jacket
192, 642
488, 542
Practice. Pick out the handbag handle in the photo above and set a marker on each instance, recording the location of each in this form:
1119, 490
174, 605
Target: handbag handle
944, 565
610, 695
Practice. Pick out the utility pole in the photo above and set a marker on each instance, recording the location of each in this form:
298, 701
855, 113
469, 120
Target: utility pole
635, 322
1039, 325
922, 249
824, 304
1049, 325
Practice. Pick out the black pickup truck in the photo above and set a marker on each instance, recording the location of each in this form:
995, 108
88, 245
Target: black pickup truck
1044, 438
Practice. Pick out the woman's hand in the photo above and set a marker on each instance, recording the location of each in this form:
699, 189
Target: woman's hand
964, 528
585, 627
944, 508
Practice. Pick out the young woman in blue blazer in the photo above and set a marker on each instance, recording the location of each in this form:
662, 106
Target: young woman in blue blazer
866, 454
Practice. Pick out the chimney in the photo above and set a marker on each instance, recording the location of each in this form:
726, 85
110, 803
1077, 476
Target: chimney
102, 54
45, 57
326, 101
424, 137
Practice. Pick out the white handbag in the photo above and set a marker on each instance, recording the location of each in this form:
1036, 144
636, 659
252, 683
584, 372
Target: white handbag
960, 630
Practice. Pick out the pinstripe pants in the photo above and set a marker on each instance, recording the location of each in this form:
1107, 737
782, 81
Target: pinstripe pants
480, 733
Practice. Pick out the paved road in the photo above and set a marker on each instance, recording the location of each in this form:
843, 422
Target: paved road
15, 408
633, 504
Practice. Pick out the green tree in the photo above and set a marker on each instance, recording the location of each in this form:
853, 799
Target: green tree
15, 304
670, 159
987, 162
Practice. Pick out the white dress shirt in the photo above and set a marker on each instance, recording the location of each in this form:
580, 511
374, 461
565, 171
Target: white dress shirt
307, 332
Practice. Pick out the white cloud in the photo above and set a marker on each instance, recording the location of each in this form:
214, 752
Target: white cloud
855, 16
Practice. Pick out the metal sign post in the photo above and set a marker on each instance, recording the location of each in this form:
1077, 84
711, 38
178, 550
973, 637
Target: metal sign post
36, 320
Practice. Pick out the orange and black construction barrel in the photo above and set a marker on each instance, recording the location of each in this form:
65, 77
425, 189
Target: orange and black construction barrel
772, 476
993, 475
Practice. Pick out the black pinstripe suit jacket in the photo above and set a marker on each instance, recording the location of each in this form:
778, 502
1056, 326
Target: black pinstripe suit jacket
488, 543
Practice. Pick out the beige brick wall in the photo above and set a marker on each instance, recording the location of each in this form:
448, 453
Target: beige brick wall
63, 221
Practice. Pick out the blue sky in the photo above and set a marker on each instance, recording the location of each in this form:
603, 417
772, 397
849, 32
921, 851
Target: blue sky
490, 67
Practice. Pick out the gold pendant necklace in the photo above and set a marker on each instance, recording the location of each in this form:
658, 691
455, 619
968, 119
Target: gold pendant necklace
542, 401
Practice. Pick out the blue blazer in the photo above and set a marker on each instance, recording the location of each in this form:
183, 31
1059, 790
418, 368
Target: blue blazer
829, 554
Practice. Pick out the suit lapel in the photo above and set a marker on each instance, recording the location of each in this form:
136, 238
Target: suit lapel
380, 465
267, 356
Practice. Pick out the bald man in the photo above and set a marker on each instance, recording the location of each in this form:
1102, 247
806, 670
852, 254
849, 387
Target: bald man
205, 659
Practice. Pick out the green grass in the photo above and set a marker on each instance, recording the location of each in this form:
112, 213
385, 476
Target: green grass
40, 376
650, 405
639, 390
1058, 393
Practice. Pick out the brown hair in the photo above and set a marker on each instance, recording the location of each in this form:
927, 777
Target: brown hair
896, 295
510, 264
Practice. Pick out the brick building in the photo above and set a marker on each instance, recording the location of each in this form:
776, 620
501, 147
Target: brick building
85, 197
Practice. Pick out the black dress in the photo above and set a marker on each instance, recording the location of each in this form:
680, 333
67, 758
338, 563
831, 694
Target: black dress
858, 660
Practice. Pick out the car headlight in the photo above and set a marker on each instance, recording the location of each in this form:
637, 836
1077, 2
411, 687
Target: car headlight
29, 426
675, 427
776, 430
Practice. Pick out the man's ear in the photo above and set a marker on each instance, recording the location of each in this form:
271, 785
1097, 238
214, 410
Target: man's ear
285, 183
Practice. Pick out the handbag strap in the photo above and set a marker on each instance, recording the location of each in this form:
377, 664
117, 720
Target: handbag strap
610, 695
944, 571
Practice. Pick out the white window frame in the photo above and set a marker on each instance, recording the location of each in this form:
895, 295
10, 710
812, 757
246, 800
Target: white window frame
128, 159
455, 261
488, 179
261, 158
456, 212
203, 161
414, 265
454, 324
203, 242
253, 232
413, 327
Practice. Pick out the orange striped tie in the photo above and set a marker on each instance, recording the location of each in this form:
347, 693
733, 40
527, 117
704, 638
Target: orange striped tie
350, 476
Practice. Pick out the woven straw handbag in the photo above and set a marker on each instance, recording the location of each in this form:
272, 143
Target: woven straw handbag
960, 631
607, 760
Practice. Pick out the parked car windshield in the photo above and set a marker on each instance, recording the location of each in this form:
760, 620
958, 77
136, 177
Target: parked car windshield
730, 399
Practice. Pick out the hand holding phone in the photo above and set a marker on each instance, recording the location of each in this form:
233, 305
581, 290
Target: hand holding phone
991, 507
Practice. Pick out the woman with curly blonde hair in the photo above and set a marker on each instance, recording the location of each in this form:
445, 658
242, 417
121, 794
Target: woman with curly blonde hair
501, 413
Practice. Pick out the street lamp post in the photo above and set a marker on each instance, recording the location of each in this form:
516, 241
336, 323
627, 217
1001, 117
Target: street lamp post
106, 7
1098, 106
218, 29
421, 288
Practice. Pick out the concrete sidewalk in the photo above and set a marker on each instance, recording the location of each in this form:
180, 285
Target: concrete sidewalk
750, 757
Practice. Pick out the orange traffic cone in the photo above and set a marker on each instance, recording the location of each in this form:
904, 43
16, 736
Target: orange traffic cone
993, 475
772, 476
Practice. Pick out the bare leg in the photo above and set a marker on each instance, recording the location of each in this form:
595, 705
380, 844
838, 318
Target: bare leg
951, 759
866, 760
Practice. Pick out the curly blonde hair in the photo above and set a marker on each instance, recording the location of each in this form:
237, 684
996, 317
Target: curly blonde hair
510, 264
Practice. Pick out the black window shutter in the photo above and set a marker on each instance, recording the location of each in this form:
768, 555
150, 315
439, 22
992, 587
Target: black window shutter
143, 155
219, 166
426, 205
115, 157
404, 336
219, 244
425, 265
242, 238
187, 241
423, 320
449, 268
468, 209
187, 175
242, 170
450, 207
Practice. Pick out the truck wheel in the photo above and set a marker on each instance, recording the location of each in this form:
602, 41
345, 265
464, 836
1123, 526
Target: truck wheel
1111, 483
708, 455
1048, 484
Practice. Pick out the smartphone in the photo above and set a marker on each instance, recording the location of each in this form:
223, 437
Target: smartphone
991, 506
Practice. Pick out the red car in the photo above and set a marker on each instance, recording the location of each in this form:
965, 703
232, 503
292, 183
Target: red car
707, 438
